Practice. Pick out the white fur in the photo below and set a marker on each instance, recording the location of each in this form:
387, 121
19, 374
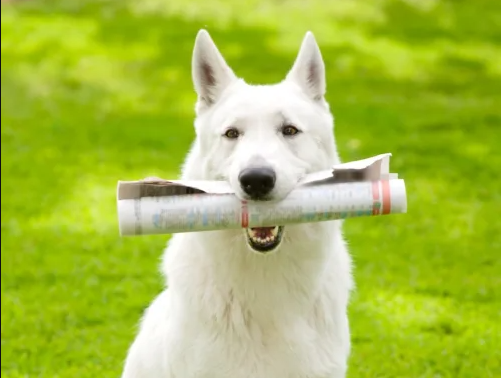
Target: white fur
230, 312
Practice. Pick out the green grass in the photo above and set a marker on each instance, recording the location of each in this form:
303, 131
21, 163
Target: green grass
98, 91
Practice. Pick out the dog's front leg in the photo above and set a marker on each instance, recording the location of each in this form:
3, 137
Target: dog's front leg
147, 357
133, 367
143, 360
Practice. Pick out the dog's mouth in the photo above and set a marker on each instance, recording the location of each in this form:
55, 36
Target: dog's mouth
264, 239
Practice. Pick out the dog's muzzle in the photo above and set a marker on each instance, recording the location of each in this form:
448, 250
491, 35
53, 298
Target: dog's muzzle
258, 183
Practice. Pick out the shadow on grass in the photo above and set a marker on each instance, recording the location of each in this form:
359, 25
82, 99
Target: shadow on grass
414, 23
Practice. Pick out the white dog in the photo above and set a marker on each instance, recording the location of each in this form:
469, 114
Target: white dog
267, 302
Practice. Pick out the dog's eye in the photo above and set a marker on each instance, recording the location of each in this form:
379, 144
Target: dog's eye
232, 133
289, 130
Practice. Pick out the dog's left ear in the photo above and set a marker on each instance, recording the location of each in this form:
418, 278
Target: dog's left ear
308, 70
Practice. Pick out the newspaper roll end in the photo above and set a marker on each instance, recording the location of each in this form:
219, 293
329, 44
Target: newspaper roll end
399, 196
126, 217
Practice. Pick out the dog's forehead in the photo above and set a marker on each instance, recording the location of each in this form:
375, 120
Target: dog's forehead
268, 106
263, 99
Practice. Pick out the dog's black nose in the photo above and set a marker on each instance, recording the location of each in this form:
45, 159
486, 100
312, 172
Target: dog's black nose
257, 182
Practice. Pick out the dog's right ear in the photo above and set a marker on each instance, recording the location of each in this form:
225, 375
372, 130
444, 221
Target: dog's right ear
210, 72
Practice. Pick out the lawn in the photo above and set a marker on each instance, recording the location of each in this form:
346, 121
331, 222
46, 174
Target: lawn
99, 91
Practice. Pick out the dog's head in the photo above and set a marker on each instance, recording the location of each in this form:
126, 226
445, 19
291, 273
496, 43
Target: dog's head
262, 139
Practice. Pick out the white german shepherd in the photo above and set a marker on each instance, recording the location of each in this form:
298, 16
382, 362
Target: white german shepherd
266, 302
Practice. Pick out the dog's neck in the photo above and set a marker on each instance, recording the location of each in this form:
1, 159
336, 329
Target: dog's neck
218, 278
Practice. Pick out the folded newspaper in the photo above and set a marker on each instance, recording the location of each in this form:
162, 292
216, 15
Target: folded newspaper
359, 188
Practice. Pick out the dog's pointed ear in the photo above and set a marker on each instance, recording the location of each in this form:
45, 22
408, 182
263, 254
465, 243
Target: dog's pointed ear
210, 73
308, 70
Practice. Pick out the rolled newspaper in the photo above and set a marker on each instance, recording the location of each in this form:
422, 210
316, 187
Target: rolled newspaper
355, 189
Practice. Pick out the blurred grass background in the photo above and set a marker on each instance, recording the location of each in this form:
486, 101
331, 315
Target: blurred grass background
97, 91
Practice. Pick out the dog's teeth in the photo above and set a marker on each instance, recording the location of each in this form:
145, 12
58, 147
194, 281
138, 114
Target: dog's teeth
258, 237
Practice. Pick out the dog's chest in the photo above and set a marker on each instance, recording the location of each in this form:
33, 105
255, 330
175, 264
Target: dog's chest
241, 346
